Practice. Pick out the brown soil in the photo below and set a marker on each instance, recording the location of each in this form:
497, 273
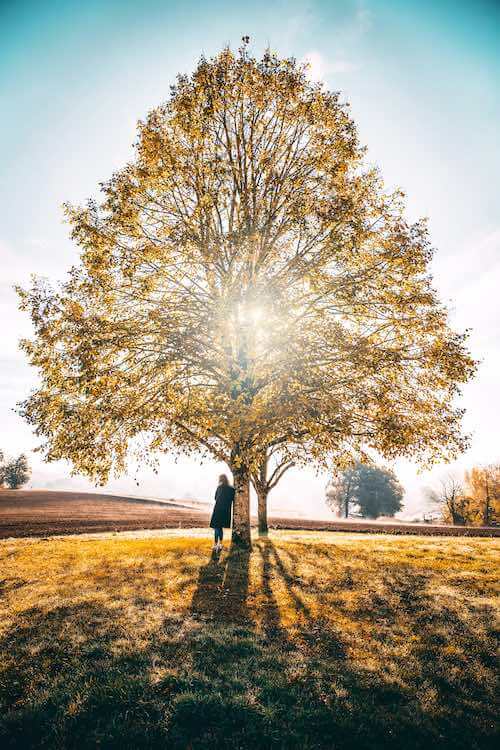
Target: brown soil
26, 513
45, 513
372, 527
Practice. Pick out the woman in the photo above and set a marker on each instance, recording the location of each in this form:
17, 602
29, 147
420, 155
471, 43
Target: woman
221, 516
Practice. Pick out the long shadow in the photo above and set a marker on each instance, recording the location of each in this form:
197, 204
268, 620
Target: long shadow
208, 593
419, 695
312, 631
62, 684
222, 588
80, 677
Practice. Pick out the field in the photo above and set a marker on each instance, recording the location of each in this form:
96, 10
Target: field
314, 640
29, 513
44, 513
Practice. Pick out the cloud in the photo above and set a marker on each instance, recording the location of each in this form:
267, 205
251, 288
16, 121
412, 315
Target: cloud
364, 19
468, 280
32, 257
320, 68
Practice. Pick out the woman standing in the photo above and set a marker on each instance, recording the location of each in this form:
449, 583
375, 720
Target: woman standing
221, 516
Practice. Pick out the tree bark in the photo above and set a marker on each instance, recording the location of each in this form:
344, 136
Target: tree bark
241, 510
486, 509
262, 511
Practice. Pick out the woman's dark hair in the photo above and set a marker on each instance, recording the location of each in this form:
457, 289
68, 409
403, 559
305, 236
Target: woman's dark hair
223, 480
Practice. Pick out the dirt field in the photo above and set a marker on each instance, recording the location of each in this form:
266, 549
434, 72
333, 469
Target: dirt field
45, 513
41, 513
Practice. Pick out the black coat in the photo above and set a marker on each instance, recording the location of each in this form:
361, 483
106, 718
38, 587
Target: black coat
221, 516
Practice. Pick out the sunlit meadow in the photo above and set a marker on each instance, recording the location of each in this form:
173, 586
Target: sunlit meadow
312, 641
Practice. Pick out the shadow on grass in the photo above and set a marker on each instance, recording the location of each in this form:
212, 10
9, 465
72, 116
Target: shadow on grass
222, 588
80, 677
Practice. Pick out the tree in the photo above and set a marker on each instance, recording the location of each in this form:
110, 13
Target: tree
453, 500
378, 492
264, 482
16, 472
341, 491
245, 283
482, 484
373, 489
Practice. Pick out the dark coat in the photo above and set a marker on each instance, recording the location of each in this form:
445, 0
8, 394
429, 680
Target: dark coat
221, 516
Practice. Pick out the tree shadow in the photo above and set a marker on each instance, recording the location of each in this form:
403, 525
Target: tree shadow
420, 691
62, 684
82, 676
222, 587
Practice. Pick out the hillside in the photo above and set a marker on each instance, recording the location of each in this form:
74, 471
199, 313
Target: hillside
35, 513
45, 513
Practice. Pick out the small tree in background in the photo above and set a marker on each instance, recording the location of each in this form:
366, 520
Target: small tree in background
453, 501
378, 492
265, 477
340, 491
482, 485
15, 473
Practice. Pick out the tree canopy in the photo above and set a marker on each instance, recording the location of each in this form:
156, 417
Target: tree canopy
373, 490
482, 487
245, 282
15, 472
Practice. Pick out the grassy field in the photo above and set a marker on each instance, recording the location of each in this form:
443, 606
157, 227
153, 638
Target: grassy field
311, 641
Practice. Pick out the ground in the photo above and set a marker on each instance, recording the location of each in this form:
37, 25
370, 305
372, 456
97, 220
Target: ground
46, 512
26, 513
312, 640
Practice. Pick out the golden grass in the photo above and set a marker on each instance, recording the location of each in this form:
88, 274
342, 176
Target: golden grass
383, 639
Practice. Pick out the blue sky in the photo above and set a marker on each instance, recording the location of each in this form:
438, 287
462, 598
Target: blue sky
421, 77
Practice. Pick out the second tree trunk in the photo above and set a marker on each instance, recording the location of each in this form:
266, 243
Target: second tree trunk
262, 512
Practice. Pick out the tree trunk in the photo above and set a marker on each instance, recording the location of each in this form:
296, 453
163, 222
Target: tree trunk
486, 512
486, 509
241, 511
262, 511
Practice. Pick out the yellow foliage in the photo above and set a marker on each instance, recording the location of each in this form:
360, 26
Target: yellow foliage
482, 484
245, 282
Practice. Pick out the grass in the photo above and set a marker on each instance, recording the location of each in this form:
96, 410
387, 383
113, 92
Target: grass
312, 641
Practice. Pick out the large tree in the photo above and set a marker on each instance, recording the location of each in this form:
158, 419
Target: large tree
244, 282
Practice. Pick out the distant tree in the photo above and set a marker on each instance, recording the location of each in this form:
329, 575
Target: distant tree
341, 490
482, 484
373, 489
451, 497
16, 472
378, 492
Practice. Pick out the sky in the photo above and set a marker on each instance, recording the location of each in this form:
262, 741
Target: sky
422, 78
